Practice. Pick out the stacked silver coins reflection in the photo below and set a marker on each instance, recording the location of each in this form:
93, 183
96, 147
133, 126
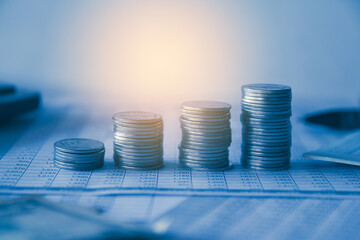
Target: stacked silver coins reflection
79, 154
266, 126
206, 135
138, 140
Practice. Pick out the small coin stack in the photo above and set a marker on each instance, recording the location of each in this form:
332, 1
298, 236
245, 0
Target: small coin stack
79, 154
206, 135
138, 140
266, 126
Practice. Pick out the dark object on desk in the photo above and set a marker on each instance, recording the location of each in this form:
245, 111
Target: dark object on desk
340, 119
14, 102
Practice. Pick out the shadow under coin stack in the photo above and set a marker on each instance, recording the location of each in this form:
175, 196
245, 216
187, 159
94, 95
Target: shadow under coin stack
79, 154
206, 135
266, 126
138, 140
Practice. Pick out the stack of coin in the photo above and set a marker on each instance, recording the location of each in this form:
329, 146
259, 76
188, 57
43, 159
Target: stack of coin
206, 135
79, 154
266, 126
138, 140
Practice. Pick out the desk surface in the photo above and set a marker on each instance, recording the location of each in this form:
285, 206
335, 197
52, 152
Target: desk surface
310, 190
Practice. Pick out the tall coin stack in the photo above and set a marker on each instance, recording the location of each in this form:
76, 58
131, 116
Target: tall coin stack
138, 140
266, 126
206, 135
79, 154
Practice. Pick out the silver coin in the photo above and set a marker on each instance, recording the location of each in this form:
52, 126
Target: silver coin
218, 165
203, 113
277, 114
137, 147
268, 145
206, 128
146, 127
205, 162
269, 156
246, 118
266, 161
205, 117
204, 123
79, 155
260, 166
137, 136
256, 113
138, 151
139, 161
200, 167
203, 131
147, 141
265, 158
79, 167
266, 98
266, 87
196, 168
206, 143
204, 147
268, 137
79, 145
275, 166
263, 101
206, 151
268, 118
207, 106
265, 109
137, 117
264, 135
267, 142
131, 157
268, 129
146, 168
147, 158
71, 159
265, 95
209, 135
202, 155
141, 168
141, 164
265, 104
152, 130
259, 124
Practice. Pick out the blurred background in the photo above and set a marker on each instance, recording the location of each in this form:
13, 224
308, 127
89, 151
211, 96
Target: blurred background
164, 52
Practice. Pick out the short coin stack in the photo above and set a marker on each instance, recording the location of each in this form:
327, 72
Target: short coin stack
206, 135
266, 126
79, 154
138, 140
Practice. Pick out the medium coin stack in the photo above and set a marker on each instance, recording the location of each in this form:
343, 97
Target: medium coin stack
266, 126
206, 135
138, 140
79, 154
